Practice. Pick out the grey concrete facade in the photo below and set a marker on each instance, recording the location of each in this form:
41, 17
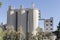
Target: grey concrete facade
48, 25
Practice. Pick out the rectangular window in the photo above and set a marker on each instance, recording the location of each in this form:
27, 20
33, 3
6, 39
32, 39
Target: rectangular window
51, 25
51, 28
46, 24
46, 20
46, 28
51, 21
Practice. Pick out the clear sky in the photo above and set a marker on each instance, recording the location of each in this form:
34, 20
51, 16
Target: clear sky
49, 8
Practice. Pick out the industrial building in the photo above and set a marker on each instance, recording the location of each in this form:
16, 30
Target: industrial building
28, 19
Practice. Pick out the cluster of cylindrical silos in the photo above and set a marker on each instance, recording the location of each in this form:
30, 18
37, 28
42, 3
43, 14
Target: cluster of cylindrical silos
27, 18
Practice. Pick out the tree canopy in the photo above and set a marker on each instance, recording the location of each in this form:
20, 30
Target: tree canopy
58, 27
0, 4
1, 34
57, 32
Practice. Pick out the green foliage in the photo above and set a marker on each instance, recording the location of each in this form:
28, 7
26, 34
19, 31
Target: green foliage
11, 34
39, 34
0, 4
58, 27
20, 34
57, 32
1, 34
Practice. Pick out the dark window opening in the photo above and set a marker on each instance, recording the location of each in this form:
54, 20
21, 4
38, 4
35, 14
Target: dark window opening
46, 20
46, 24
51, 28
46, 28
39, 13
50, 24
51, 21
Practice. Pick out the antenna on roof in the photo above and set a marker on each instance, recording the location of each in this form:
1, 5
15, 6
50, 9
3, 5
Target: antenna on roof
33, 5
21, 6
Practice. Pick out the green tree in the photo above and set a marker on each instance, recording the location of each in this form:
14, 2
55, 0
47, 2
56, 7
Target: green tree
57, 32
1, 34
58, 27
39, 34
48, 35
5, 35
0, 4
10, 34
20, 34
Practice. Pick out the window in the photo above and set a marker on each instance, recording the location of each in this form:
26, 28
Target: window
51, 28
46, 20
39, 13
46, 28
50, 24
39, 17
46, 24
51, 21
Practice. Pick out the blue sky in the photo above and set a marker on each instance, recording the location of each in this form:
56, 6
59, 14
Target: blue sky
48, 8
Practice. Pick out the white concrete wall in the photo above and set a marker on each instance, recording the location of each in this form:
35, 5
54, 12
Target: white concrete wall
35, 20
